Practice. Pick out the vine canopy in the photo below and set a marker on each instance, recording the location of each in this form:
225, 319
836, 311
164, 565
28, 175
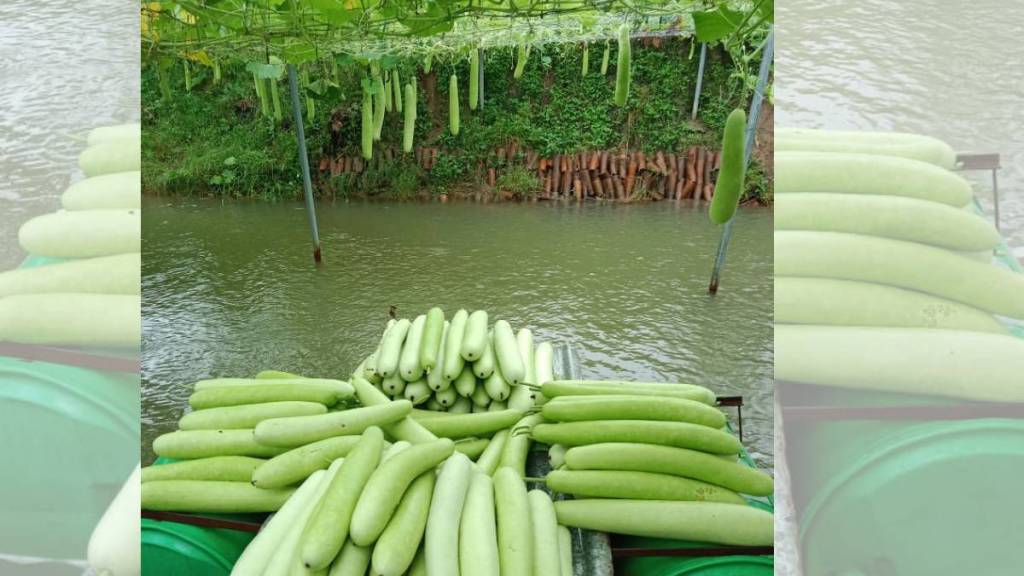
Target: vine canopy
301, 31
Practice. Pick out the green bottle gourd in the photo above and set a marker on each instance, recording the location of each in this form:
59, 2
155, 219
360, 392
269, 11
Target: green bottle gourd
586, 59
368, 125
409, 128
604, 59
474, 79
622, 73
730, 176
453, 104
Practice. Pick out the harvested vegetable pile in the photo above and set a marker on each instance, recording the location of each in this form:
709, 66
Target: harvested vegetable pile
884, 271
360, 479
91, 297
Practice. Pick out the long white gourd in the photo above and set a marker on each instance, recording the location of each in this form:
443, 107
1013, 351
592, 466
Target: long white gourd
868, 174
115, 132
848, 303
894, 217
912, 146
114, 547
83, 234
110, 156
903, 264
957, 364
106, 275
98, 320
109, 191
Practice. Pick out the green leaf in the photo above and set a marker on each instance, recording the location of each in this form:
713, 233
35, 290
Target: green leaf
716, 24
266, 71
299, 52
766, 10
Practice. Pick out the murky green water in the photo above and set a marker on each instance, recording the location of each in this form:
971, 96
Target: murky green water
230, 289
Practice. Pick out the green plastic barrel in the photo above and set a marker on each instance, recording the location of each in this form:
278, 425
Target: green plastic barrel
172, 549
70, 438
927, 498
818, 449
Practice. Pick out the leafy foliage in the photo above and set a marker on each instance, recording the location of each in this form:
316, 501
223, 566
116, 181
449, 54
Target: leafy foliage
190, 139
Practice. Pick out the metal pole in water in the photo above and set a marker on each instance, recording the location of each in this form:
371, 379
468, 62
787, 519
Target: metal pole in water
748, 146
480, 78
700, 80
300, 137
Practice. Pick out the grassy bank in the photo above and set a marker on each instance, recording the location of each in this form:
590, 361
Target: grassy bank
213, 141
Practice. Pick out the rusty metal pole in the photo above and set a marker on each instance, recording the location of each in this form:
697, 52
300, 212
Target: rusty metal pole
300, 137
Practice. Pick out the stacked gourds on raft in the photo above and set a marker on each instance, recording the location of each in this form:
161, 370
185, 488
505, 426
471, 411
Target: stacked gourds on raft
885, 276
91, 296
361, 479
461, 365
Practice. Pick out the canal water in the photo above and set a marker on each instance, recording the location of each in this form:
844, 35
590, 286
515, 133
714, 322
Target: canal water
948, 69
230, 289
65, 68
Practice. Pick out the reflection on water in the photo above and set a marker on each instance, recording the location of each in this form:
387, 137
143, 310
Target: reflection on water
229, 289
954, 70
65, 67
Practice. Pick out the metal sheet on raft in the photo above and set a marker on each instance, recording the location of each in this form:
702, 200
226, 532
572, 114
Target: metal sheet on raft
591, 551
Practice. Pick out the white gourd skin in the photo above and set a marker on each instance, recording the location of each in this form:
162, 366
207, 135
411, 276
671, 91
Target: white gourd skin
110, 156
286, 557
478, 536
115, 544
441, 540
515, 539
95, 320
546, 557
258, 553
107, 192
928, 269
116, 132
912, 146
949, 363
731, 524
826, 301
119, 274
803, 172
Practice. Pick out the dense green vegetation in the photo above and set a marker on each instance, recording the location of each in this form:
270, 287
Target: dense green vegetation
214, 141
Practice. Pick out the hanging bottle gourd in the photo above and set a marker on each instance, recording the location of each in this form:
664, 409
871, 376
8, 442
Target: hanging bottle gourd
261, 93
188, 77
378, 101
409, 128
730, 177
368, 124
396, 84
474, 79
163, 75
310, 102
586, 59
275, 95
604, 59
216, 72
427, 62
453, 104
522, 55
388, 107
622, 72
